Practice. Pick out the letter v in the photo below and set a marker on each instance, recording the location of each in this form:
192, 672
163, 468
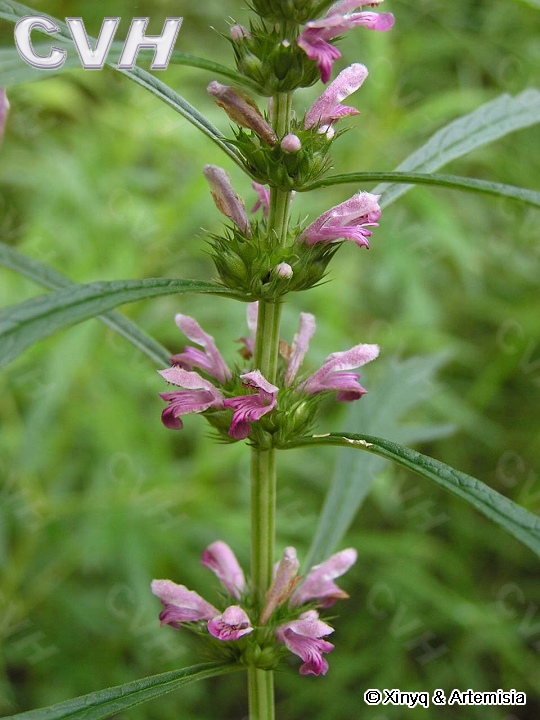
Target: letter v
93, 59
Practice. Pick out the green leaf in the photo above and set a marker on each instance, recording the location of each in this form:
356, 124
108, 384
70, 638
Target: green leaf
25, 324
513, 518
13, 12
489, 122
50, 278
455, 182
180, 58
402, 385
105, 703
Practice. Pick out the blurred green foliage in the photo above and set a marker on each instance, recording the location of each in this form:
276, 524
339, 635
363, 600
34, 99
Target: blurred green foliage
103, 182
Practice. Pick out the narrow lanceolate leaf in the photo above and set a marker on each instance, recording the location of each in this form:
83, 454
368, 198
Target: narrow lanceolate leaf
489, 122
454, 182
50, 278
25, 324
105, 703
513, 518
13, 12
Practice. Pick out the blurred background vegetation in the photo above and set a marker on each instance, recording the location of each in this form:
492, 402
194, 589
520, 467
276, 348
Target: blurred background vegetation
102, 181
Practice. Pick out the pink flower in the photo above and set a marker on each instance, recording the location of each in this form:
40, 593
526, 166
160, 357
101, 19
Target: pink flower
300, 346
250, 408
185, 606
227, 201
263, 198
199, 394
334, 375
347, 221
196, 396
231, 625
4, 109
209, 359
328, 109
314, 39
319, 583
181, 605
303, 637
252, 312
284, 582
220, 559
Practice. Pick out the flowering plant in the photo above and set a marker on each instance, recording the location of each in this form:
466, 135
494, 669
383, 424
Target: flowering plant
270, 398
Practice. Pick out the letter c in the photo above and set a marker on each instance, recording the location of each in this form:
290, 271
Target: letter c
23, 28
374, 608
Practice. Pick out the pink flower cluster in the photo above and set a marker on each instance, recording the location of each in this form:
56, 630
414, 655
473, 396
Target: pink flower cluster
303, 635
198, 394
315, 37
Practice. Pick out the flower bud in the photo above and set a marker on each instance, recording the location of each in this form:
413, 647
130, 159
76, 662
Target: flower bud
227, 201
283, 585
291, 143
284, 270
239, 33
242, 110
250, 65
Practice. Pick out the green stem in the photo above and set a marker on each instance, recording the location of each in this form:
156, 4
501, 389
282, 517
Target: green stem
261, 694
263, 503
263, 469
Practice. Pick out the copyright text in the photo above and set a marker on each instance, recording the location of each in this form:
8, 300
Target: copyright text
438, 697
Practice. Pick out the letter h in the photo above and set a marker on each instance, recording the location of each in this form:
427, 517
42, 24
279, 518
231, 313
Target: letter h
163, 44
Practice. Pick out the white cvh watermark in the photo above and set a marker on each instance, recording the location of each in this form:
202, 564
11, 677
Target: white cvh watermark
94, 59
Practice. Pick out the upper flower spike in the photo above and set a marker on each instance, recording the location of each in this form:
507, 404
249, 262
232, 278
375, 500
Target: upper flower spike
209, 359
328, 109
347, 221
334, 375
314, 38
227, 201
